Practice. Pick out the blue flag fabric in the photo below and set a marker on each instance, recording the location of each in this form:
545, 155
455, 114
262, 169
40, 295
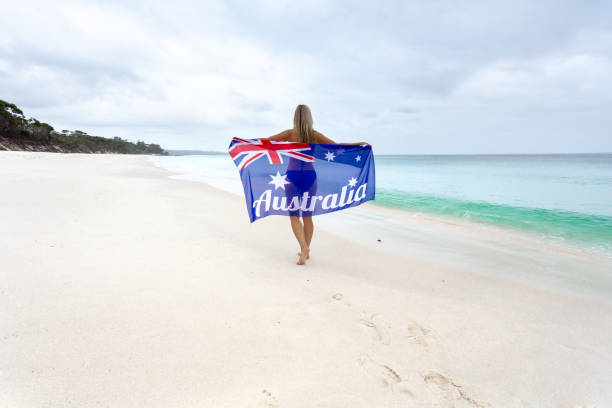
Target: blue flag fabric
302, 179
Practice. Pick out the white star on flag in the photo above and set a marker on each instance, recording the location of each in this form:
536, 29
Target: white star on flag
279, 180
329, 156
358, 158
352, 182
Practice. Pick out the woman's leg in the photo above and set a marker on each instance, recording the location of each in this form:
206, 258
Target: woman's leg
308, 229
298, 231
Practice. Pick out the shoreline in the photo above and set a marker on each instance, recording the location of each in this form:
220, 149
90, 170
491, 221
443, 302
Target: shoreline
431, 233
223, 176
122, 287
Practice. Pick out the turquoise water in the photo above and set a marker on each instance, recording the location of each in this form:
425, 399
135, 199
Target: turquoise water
561, 197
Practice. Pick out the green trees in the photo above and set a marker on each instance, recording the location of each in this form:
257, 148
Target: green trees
31, 134
39, 131
12, 122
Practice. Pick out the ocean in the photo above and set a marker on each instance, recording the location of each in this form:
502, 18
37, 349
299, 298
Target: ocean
560, 197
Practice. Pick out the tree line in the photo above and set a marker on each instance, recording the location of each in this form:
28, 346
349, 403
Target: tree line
19, 133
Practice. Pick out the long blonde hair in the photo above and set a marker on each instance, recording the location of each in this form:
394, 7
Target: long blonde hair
302, 123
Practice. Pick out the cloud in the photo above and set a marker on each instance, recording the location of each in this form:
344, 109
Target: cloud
556, 79
192, 75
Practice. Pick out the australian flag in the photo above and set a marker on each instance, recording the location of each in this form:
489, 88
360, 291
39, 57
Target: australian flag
302, 179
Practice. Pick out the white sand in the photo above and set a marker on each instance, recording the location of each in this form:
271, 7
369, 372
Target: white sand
123, 288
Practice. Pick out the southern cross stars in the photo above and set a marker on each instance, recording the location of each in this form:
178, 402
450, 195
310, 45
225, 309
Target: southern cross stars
358, 158
352, 182
329, 156
279, 180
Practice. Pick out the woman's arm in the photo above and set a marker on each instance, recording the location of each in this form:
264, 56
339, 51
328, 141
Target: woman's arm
321, 138
280, 137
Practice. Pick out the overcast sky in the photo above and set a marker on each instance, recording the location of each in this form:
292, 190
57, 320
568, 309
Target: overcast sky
408, 77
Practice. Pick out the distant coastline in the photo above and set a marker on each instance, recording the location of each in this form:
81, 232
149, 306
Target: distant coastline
19, 133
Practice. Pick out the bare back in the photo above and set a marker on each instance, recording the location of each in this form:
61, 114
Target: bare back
290, 135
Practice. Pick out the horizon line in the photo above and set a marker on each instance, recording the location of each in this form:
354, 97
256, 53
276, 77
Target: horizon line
425, 154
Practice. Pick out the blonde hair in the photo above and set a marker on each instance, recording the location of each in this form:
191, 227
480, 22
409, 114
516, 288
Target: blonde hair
302, 123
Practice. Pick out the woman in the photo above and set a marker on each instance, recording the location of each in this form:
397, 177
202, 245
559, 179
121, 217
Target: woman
302, 175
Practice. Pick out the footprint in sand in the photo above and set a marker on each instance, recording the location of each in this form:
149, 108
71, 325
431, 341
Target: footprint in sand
417, 334
377, 327
338, 296
414, 333
386, 376
449, 390
267, 400
11, 335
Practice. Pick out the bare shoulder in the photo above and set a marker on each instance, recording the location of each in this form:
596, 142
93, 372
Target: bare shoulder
282, 136
287, 132
290, 135
321, 138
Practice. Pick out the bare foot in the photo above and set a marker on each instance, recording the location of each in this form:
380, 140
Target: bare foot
307, 256
303, 256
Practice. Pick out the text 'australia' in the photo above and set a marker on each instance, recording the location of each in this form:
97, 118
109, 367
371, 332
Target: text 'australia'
306, 202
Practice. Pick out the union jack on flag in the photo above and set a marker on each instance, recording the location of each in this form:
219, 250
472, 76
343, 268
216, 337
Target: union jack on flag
253, 149
302, 179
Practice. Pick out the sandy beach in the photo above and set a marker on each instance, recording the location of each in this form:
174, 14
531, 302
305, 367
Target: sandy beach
122, 287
